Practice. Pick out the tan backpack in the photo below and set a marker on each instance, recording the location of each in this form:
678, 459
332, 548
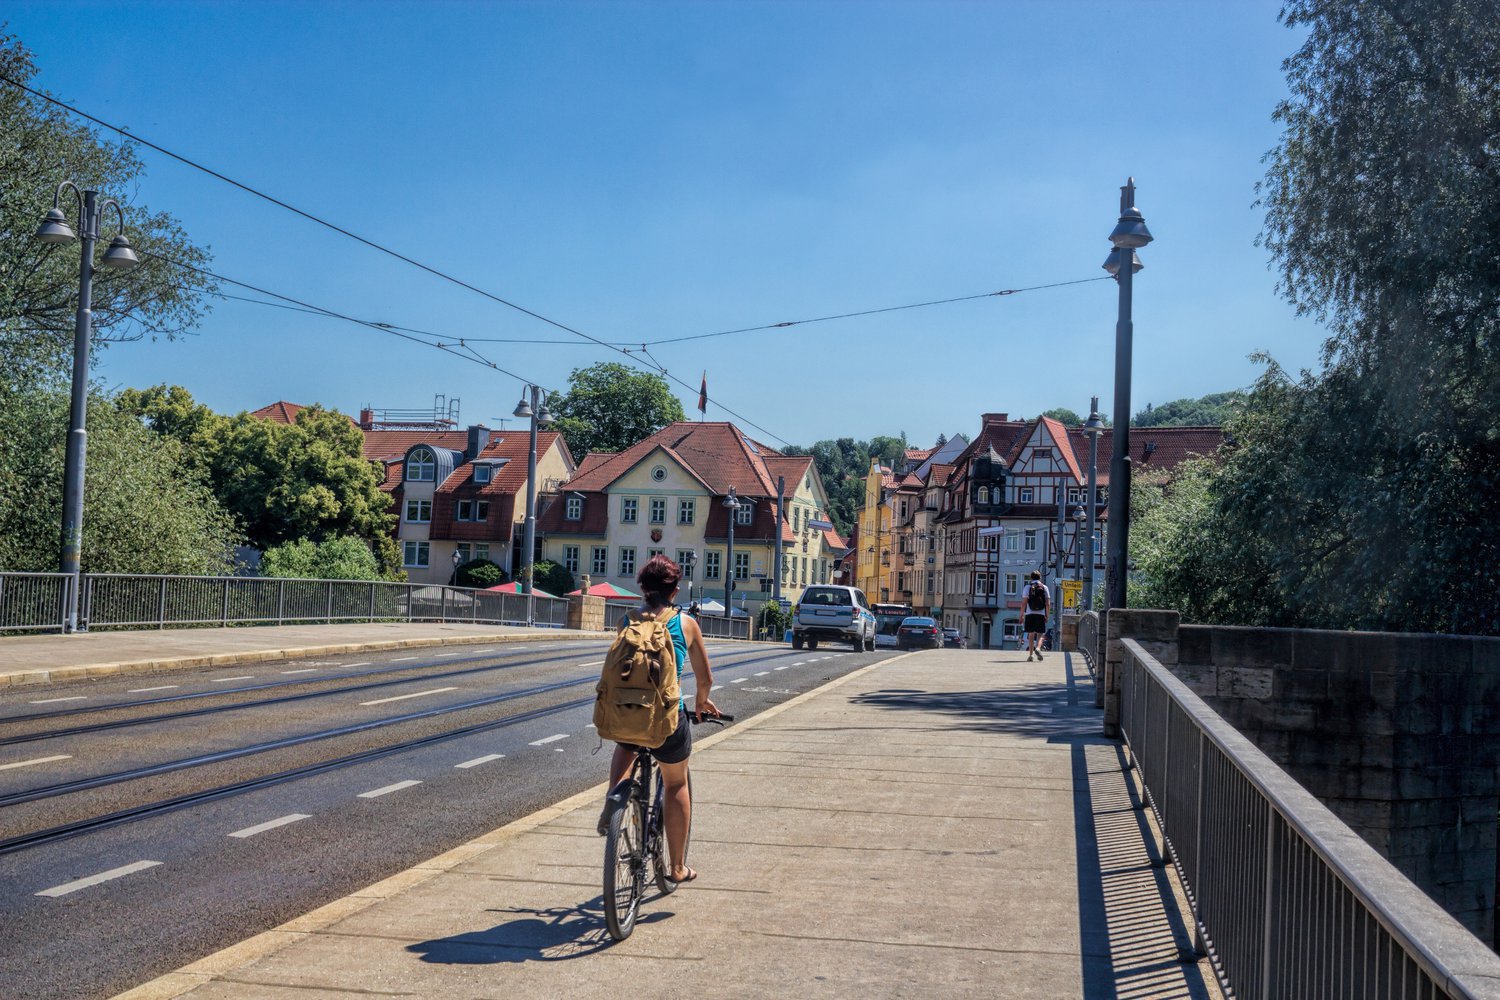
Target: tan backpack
638, 694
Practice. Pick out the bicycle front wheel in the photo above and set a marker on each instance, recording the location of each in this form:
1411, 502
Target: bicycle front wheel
624, 867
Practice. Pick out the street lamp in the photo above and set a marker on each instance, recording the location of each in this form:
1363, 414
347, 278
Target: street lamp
537, 411
457, 561
689, 560
55, 229
732, 509
1078, 516
1093, 427
1129, 235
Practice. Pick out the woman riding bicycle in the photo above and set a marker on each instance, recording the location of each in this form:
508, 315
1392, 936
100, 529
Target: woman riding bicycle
659, 579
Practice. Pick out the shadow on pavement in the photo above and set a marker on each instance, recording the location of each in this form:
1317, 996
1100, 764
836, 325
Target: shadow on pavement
555, 934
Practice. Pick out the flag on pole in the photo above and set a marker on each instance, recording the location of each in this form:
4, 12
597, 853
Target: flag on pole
703, 396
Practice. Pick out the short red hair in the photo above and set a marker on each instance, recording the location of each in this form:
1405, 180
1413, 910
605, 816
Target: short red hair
659, 579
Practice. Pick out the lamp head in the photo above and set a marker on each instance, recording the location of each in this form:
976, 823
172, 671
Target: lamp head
544, 416
523, 408
55, 228
119, 256
1112, 262
1094, 425
1131, 232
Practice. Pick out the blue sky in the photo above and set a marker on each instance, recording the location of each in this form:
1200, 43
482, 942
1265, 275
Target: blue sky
650, 170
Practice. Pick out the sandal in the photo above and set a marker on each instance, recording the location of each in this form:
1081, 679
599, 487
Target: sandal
686, 878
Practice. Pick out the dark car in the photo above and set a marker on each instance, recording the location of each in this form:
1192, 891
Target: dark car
954, 639
919, 633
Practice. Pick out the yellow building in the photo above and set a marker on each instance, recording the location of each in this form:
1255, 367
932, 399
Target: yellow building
873, 568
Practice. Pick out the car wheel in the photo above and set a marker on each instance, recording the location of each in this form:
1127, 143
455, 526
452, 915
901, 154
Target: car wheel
796, 640
812, 644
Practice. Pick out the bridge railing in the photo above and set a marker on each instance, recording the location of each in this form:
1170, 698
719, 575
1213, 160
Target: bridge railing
34, 601
1288, 900
721, 627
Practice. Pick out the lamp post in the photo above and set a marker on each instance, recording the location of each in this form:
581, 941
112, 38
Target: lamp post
535, 409
1078, 516
55, 229
1093, 427
732, 511
1129, 235
457, 561
689, 561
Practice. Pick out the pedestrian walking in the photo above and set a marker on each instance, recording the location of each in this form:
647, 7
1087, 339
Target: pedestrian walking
1038, 608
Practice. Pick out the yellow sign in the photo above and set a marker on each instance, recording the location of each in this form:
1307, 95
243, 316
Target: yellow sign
1071, 590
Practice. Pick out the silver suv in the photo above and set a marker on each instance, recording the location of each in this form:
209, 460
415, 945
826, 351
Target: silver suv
839, 614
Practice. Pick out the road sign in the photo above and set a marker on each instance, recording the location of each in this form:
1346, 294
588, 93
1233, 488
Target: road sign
998, 529
1071, 590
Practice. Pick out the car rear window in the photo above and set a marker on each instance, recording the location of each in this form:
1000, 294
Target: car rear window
827, 598
920, 621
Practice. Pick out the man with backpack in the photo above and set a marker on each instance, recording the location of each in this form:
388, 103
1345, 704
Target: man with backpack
1037, 608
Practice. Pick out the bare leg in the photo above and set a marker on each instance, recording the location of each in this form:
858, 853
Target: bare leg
678, 807
620, 764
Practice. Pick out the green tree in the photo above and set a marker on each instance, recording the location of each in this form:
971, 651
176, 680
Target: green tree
553, 578
146, 509
40, 146
479, 573
1214, 410
610, 406
342, 558
1067, 417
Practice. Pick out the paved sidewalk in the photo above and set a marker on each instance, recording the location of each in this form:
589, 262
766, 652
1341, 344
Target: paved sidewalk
40, 659
944, 824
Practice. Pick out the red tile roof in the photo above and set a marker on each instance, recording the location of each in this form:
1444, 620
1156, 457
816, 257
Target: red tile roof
1168, 447
716, 453
833, 541
380, 445
279, 412
1059, 434
793, 467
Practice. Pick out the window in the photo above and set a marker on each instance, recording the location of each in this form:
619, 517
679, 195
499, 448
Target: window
627, 560
685, 560
630, 509
473, 510
419, 511
904, 503
1076, 495
483, 473
463, 552
687, 507
570, 558
659, 473
655, 552
414, 554
575, 509
482, 550
658, 510
711, 565
421, 467
742, 565
599, 560
1012, 542
1012, 584
901, 582
745, 512
796, 519
931, 580
981, 584
1026, 494
984, 495
1030, 545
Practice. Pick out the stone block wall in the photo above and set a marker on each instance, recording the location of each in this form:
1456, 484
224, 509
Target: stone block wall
585, 612
1399, 735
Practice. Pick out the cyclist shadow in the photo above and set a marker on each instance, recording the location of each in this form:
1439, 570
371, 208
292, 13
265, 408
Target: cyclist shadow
555, 934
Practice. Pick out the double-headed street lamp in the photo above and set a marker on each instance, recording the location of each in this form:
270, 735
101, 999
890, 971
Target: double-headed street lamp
1093, 427
55, 229
1129, 235
535, 409
732, 509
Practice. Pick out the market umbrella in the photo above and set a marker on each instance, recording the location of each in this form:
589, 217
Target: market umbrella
515, 588
608, 591
711, 607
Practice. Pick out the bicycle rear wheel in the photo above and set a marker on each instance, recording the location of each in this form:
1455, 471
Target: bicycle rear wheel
661, 863
624, 867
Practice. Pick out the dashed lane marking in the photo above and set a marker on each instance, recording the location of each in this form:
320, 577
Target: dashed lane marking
490, 650
549, 739
403, 697
269, 824
739, 680
799, 663
226, 680
441, 656
784, 666
159, 687
36, 760
53, 701
398, 659
304, 670
376, 793
361, 663
480, 760
761, 673
84, 883
596, 663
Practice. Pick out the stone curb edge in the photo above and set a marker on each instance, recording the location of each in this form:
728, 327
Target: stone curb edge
205, 970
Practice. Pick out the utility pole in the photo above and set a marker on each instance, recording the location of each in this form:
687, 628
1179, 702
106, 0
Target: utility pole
780, 523
539, 414
732, 510
1059, 555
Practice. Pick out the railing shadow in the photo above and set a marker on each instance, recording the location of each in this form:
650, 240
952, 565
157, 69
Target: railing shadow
555, 934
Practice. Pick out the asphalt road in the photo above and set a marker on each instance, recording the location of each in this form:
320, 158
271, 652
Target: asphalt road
186, 881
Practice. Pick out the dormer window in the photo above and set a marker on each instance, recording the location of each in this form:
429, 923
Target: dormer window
984, 495
744, 514
421, 466
1026, 494
574, 509
483, 473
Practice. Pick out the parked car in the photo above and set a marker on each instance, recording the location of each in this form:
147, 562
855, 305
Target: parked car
954, 639
918, 632
840, 614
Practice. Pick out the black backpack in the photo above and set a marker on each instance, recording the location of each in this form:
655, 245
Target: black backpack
1036, 598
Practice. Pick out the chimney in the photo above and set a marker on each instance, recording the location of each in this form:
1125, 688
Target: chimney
994, 418
479, 436
366, 418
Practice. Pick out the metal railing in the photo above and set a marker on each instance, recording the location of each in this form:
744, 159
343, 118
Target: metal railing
33, 601
1288, 900
721, 627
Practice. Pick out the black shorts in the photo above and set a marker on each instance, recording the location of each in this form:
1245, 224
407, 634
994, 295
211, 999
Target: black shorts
677, 747
1036, 623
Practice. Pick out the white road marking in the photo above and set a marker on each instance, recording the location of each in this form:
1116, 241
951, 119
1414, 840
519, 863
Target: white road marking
361, 663
398, 659
762, 673
36, 760
490, 650
304, 670
549, 739
53, 701
270, 824
441, 655
596, 663
784, 666
84, 883
388, 789
241, 677
799, 663
739, 680
159, 687
480, 760
403, 697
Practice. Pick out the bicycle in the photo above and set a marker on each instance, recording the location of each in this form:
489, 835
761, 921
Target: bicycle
637, 838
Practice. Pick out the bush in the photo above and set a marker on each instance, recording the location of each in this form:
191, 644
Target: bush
480, 573
553, 578
336, 559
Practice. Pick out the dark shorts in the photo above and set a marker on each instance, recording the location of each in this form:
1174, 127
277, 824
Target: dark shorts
678, 745
1036, 623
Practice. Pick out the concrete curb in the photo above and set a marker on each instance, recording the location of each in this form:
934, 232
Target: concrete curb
86, 671
205, 970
